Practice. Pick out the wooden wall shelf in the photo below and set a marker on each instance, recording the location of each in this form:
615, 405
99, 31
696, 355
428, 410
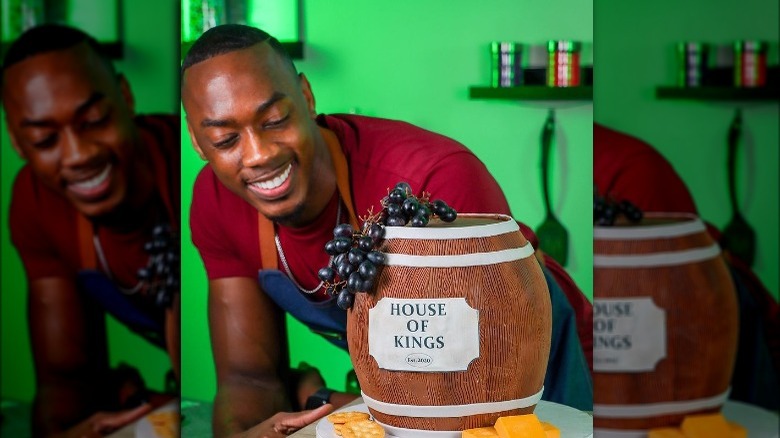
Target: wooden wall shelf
718, 93
532, 92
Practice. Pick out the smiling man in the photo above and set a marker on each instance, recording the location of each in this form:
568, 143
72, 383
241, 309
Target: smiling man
279, 178
97, 183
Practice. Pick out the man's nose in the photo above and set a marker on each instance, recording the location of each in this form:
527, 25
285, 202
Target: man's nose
75, 151
257, 151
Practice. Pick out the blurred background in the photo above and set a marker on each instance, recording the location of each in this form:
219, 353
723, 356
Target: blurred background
637, 54
416, 62
147, 59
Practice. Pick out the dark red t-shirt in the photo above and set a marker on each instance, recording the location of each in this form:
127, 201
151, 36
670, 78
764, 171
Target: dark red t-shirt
626, 167
44, 224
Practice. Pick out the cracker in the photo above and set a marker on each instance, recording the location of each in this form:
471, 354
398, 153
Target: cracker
338, 428
363, 429
165, 424
347, 416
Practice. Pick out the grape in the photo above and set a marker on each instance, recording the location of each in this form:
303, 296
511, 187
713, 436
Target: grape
326, 274
365, 243
343, 230
419, 221
149, 246
449, 216
376, 232
354, 283
367, 270
345, 269
424, 211
345, 299
439, 207
410, 207
396, 196
356, 256
331, 290
342, 244
394, 210
339, 259
367, 285
330, 247
376, 257
634, 214
144, 274
405, 187
395, 221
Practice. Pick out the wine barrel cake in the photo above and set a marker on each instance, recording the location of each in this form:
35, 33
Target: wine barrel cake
664, 323
458, 330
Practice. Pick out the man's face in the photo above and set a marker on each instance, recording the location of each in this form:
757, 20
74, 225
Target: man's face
251, 117
71, 119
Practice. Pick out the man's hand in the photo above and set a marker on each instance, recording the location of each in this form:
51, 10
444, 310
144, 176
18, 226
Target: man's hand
286, 423
103, 423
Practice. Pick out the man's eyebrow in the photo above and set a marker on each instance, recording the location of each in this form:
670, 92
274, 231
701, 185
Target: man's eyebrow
221, 123
42, 123
93, 99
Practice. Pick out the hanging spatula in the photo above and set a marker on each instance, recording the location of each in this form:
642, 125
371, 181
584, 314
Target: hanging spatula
553, 238
738, 237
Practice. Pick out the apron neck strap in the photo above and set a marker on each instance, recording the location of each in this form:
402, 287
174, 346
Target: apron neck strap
86, 229
265, 227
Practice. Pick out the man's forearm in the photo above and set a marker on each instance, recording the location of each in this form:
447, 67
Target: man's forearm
238, 407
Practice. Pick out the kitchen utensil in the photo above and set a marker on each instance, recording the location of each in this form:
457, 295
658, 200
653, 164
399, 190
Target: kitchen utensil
738, 237
553, 237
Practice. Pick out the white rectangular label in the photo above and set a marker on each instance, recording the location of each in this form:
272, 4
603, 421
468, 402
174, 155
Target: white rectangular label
629, 334
423, 335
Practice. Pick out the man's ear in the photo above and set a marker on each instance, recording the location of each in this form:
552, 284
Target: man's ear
308, 95
127, 94
195, 144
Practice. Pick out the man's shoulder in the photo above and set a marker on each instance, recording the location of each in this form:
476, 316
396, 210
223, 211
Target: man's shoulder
29, 196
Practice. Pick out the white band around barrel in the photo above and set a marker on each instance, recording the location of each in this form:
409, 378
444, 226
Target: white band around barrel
657, 258
450, 410
402, 432
461, 260
691, 225
650, 410
505, 225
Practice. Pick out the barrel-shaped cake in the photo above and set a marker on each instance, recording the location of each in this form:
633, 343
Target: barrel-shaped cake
664, 323
457, 332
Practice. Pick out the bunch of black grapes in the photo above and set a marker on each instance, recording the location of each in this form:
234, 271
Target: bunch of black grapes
162, 271
606, 210
356, 261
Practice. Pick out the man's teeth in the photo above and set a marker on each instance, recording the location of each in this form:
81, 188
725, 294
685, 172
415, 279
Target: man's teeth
276, 182
94, 181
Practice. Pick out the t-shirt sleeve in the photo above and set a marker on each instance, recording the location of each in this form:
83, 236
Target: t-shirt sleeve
652, 184
35, 247
464, 182
221, 257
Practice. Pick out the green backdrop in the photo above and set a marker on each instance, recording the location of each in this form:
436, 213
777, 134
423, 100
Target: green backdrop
414, 61
149, 64
636, 54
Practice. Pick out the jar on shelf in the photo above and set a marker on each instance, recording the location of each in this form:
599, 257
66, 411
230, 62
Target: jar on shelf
691, 63
750, 63
506, 64
563, 66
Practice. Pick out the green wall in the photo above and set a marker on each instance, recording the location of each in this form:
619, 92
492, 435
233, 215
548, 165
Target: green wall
414, 61
153, 77
636, 53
